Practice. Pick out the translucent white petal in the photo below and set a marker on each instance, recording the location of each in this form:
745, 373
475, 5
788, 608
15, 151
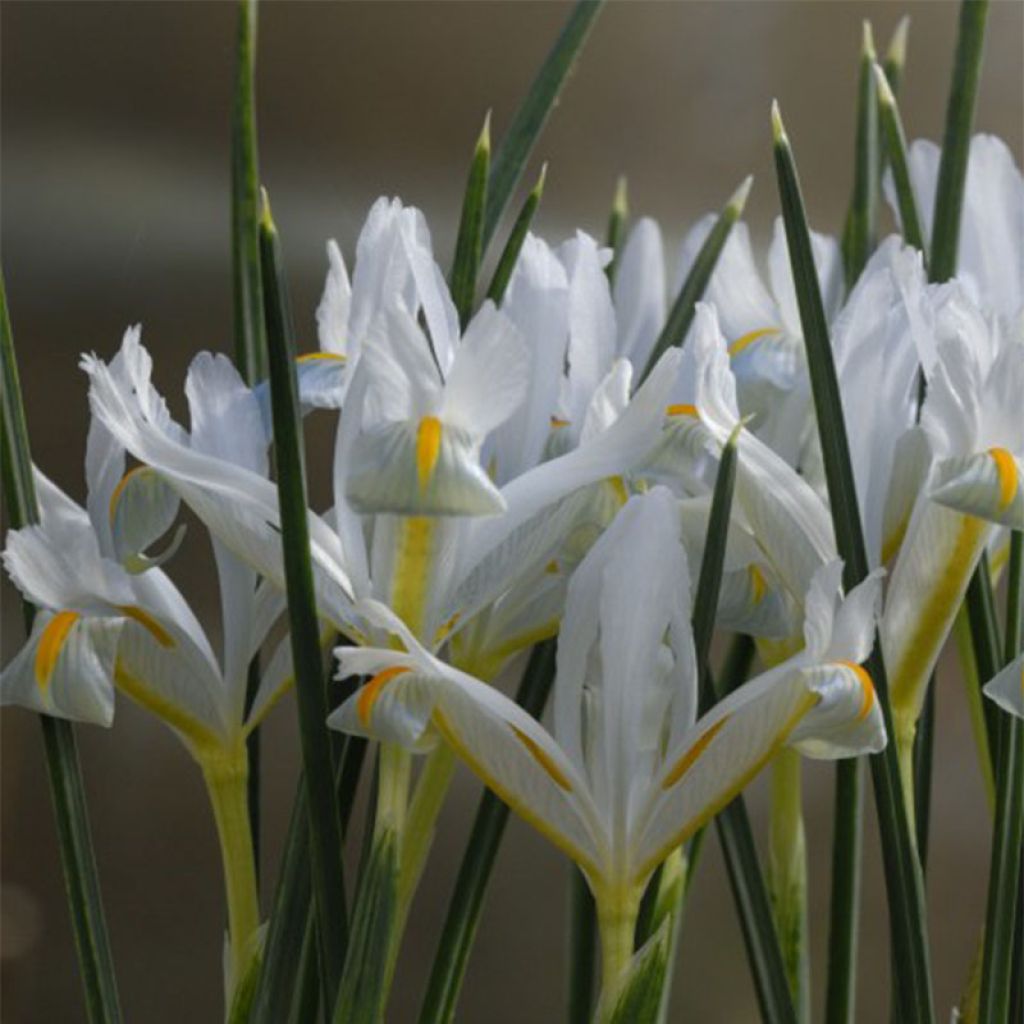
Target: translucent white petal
81, 685
987, 484
333, 312
1007, 688
846, 721
639, 293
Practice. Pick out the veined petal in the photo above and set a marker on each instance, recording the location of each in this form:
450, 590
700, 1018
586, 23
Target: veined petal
143, 507
828, 262
846, 720
639, 293
65, 669
987, 485
332, 314
1007, 688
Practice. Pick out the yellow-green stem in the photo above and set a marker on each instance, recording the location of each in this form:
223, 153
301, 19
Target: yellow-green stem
787, 874
905, 728
392, 790
226, 772
616, 920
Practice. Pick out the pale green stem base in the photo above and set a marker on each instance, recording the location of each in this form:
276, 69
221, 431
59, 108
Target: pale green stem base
616, 920
671, 900
906, 732
227, 773
787, 875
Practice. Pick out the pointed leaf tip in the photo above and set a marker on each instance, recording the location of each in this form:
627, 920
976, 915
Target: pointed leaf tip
885, 96
778, 128
897, 53
483, 143
867, 45
266, 218
538, 189
620, 204
738, 200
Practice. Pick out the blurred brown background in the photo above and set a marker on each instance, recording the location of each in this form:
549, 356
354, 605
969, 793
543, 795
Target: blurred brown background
115, 210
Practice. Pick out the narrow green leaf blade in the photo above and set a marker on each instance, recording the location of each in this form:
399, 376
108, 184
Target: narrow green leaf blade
1008, 836
529, 120
468, 246
908, 923
81, 879
896, 55
640, 996
681, 314
582, 949
324, 827
514, 245
956, 143
463, 917
896, 151
250, 337
616, 232
862, 217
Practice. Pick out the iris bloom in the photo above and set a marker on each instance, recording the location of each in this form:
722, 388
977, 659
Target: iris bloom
111, 619
630, 772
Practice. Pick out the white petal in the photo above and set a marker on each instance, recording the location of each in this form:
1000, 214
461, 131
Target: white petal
639, 293
987, 485
81, 686
1007, 688
332, 313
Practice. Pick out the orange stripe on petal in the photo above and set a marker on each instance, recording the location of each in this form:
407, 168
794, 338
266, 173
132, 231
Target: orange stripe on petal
686, 762
428, 448
1006, 470
147, 622
115, 495
371, 691
748, 339
681, 410
866, 686
310, 357
51, 643
543, 759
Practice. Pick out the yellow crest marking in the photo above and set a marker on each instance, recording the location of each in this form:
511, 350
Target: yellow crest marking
310, 357
557, 423
618, 486
748, 339
147, 622
428, 449
683, 409
371, 691
51, 643
542, 758
115, 495
446, 628
689, 758
867, 689
1006, 470
758, 583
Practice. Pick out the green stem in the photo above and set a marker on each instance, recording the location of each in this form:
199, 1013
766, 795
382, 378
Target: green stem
582, 923
616, 923
227, 775
787, 875
976, 710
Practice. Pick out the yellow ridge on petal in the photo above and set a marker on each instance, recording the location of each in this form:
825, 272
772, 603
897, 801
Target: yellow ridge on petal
1006, 469
115, 494
452, 738
544, 760
310, 357
867, 688
147, 622
51, 643
683, 409
556, 423
758, 583
428, 448
371, 691
689, 758
748, 339
618, 486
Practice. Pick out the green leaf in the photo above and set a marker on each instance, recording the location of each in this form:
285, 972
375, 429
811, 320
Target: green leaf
639, 997
468, 245
907, 919
617, 226
680, 316
896, 151
514, 245
81, 880
956, 143
247, 288
896, 56
464, 909
582, 949
529, 120
324, 826
1008, 835
362, 996
924, 750
862, 217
